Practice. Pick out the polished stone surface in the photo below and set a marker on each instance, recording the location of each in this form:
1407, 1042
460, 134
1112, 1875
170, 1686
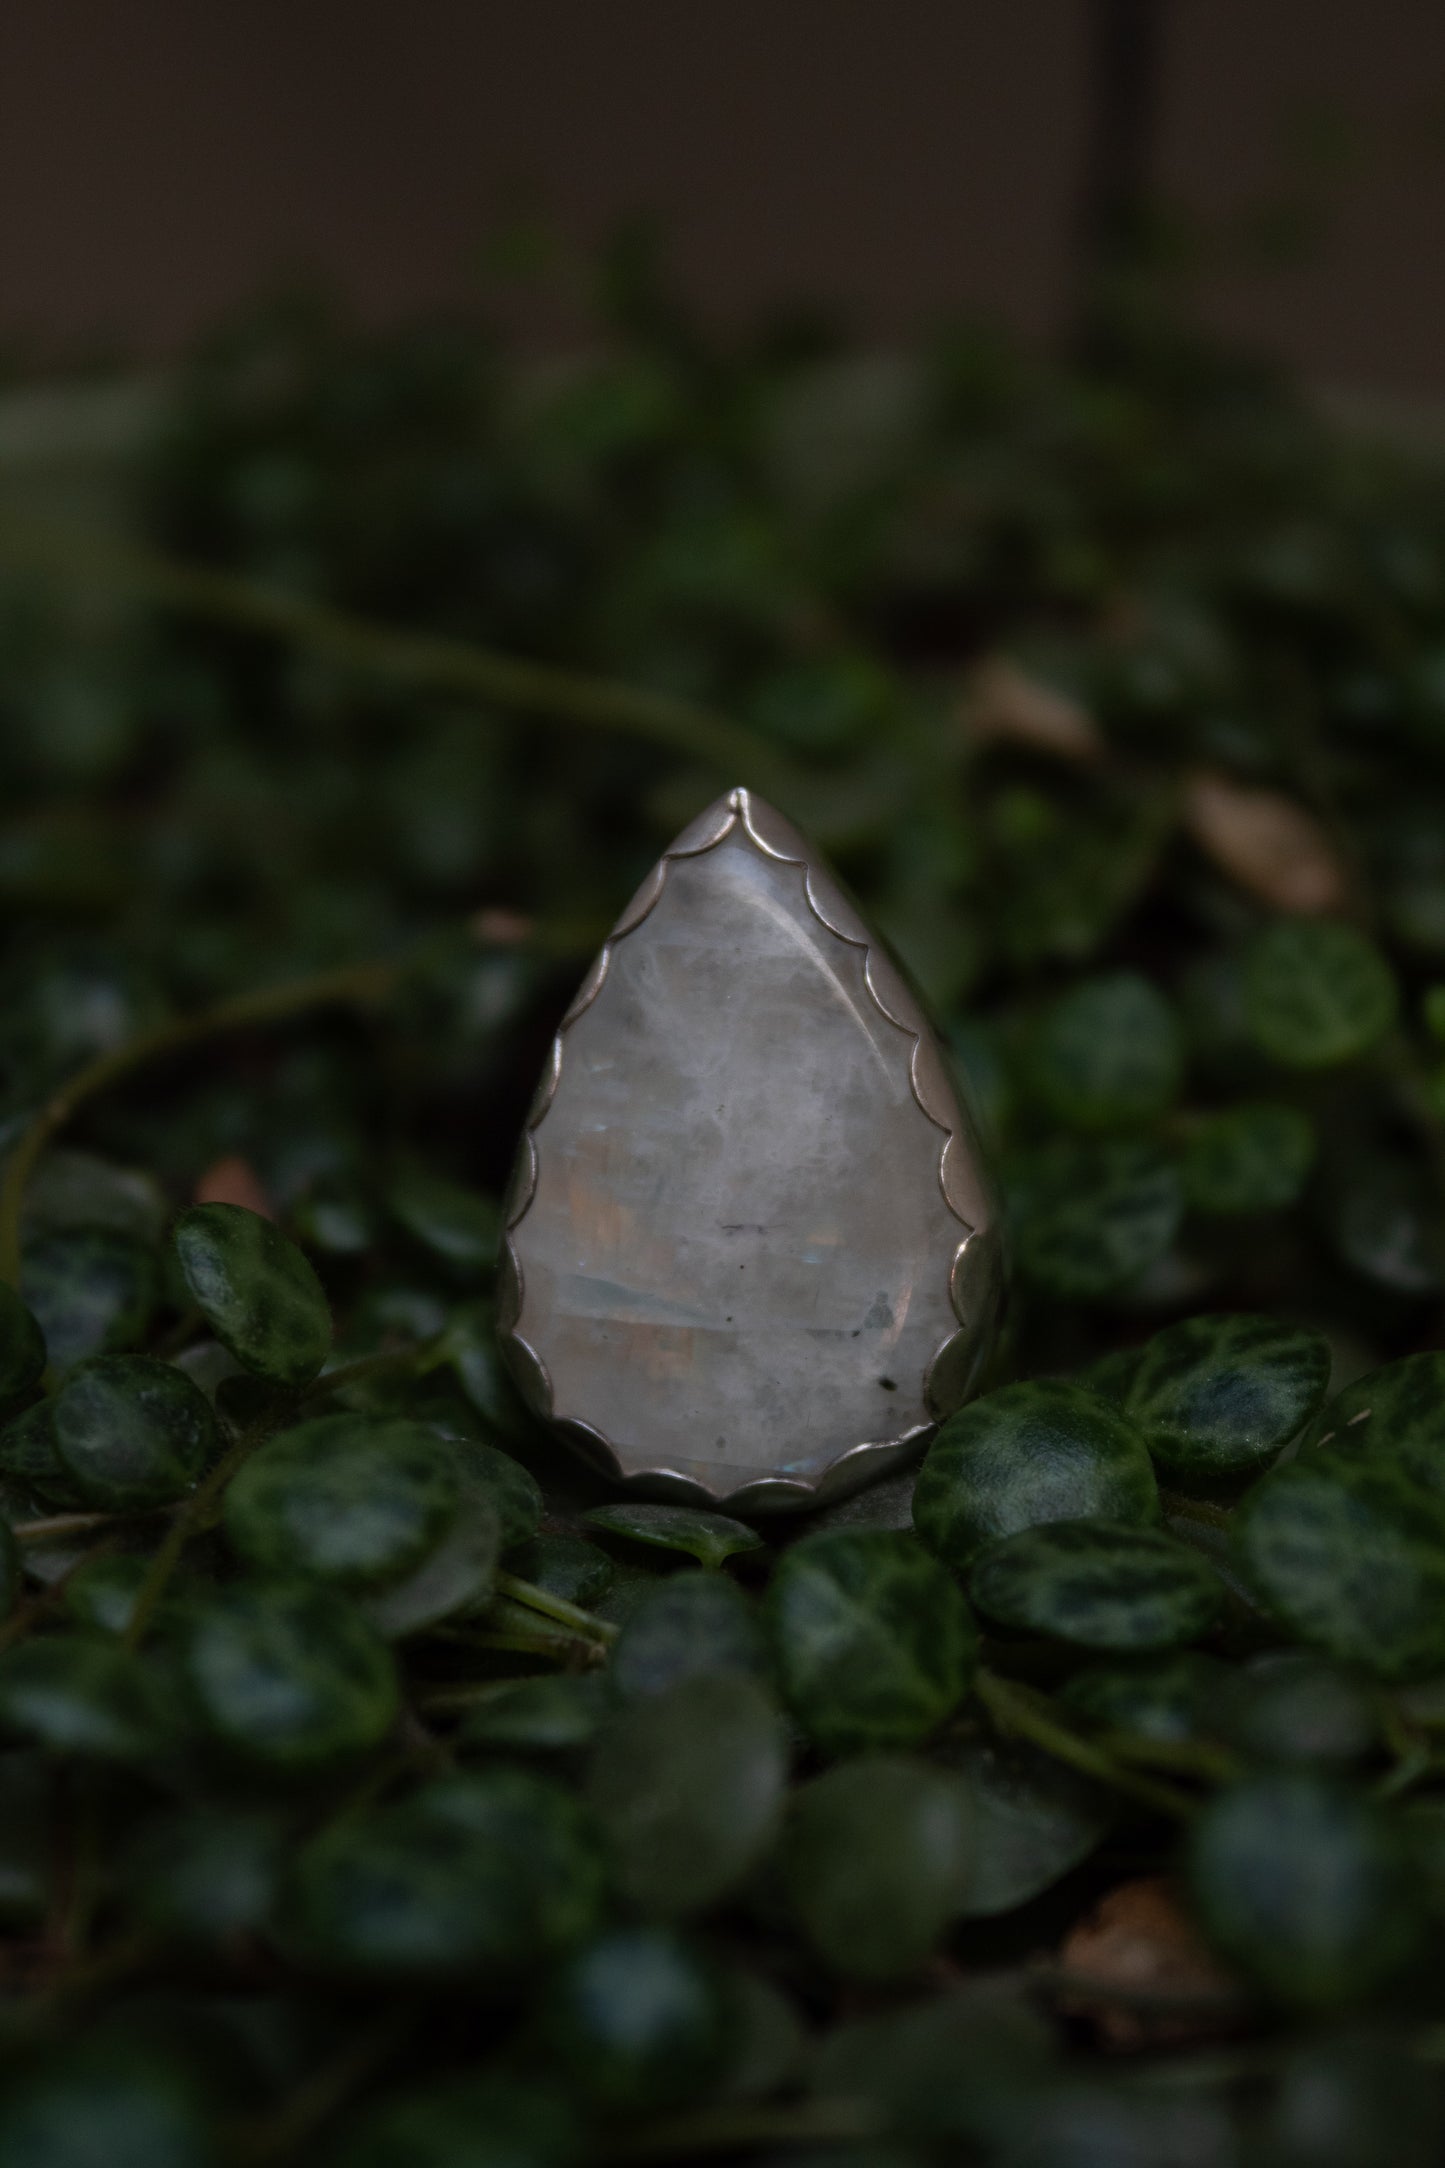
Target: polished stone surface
735, 1261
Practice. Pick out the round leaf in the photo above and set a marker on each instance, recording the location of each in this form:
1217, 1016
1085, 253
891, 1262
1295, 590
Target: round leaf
567, 1566
351, 1498
1247, 1159
1317, 993
1041, 1451
456, 1578
73, 1694
132, 1431
206, 1874
288, 1674
1216, 1394
1395, 1413
103, 2104
9, 1569
1304, 1887
1108, 1054
458, 1225
1350, 1556
1100, 1584
512, 1490
479, 2119
687, 1787
90, 1292
28, 1456
1166, 1699
1032, 1820
536, 1716
710, 1538
637, 2020
255, 1290
874, 1644
22, 1347
1089, 1218
1291, 1706
687, 1627
484, 1876
876, 1861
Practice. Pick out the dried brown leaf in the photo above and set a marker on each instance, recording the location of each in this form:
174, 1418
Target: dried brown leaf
1137, 1968
1003, 702
233, 1180
1265, 842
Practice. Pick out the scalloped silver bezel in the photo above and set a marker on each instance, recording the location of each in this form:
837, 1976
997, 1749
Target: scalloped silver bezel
974, 1269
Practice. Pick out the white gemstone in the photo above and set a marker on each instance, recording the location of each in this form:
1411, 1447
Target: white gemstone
748, 1203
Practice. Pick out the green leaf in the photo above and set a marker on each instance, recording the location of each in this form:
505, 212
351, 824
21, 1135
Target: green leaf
475, 2119
1090, 1218
690, 1626
456, 1578
90, 1292
1378, 1210
566, 1566
536, 1716
206, 1874
1349, 1555
103, 1592
288, 1674
1291, 1706
874, 1644
9, 1569
479, 1876
637, 2020
131, 1431
29, 1457
255, 1290
513, 1491
73, 1694
1217, 1394
355, 1499
1247, 1159
1099, 1584
71, 1189
876, 1862
1317, 993
1168, 1700
962, 2070
22, 1347
1033, 1452
103, 2103
1394, 1414
1304, 1886
687, 1788
1108, 1054
458, 1225
1032, 1821
710, 1538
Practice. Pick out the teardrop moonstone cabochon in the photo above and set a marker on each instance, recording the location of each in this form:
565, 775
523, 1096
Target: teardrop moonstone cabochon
752, 1255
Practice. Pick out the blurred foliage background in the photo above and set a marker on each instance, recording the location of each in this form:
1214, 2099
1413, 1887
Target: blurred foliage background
374, 1785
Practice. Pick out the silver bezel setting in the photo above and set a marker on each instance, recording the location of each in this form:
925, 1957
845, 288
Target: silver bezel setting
975, 1268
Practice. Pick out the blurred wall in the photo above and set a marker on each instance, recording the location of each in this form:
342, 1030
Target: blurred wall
161, 159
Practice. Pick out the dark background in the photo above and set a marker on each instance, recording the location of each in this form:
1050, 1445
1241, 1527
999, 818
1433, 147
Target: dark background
162, 160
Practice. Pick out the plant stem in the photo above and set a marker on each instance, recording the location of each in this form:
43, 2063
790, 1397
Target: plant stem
367, 1366
425, 660
1020, 1710
556, 1607
66, 1524
264, 1005
326, 2089
189, 1520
